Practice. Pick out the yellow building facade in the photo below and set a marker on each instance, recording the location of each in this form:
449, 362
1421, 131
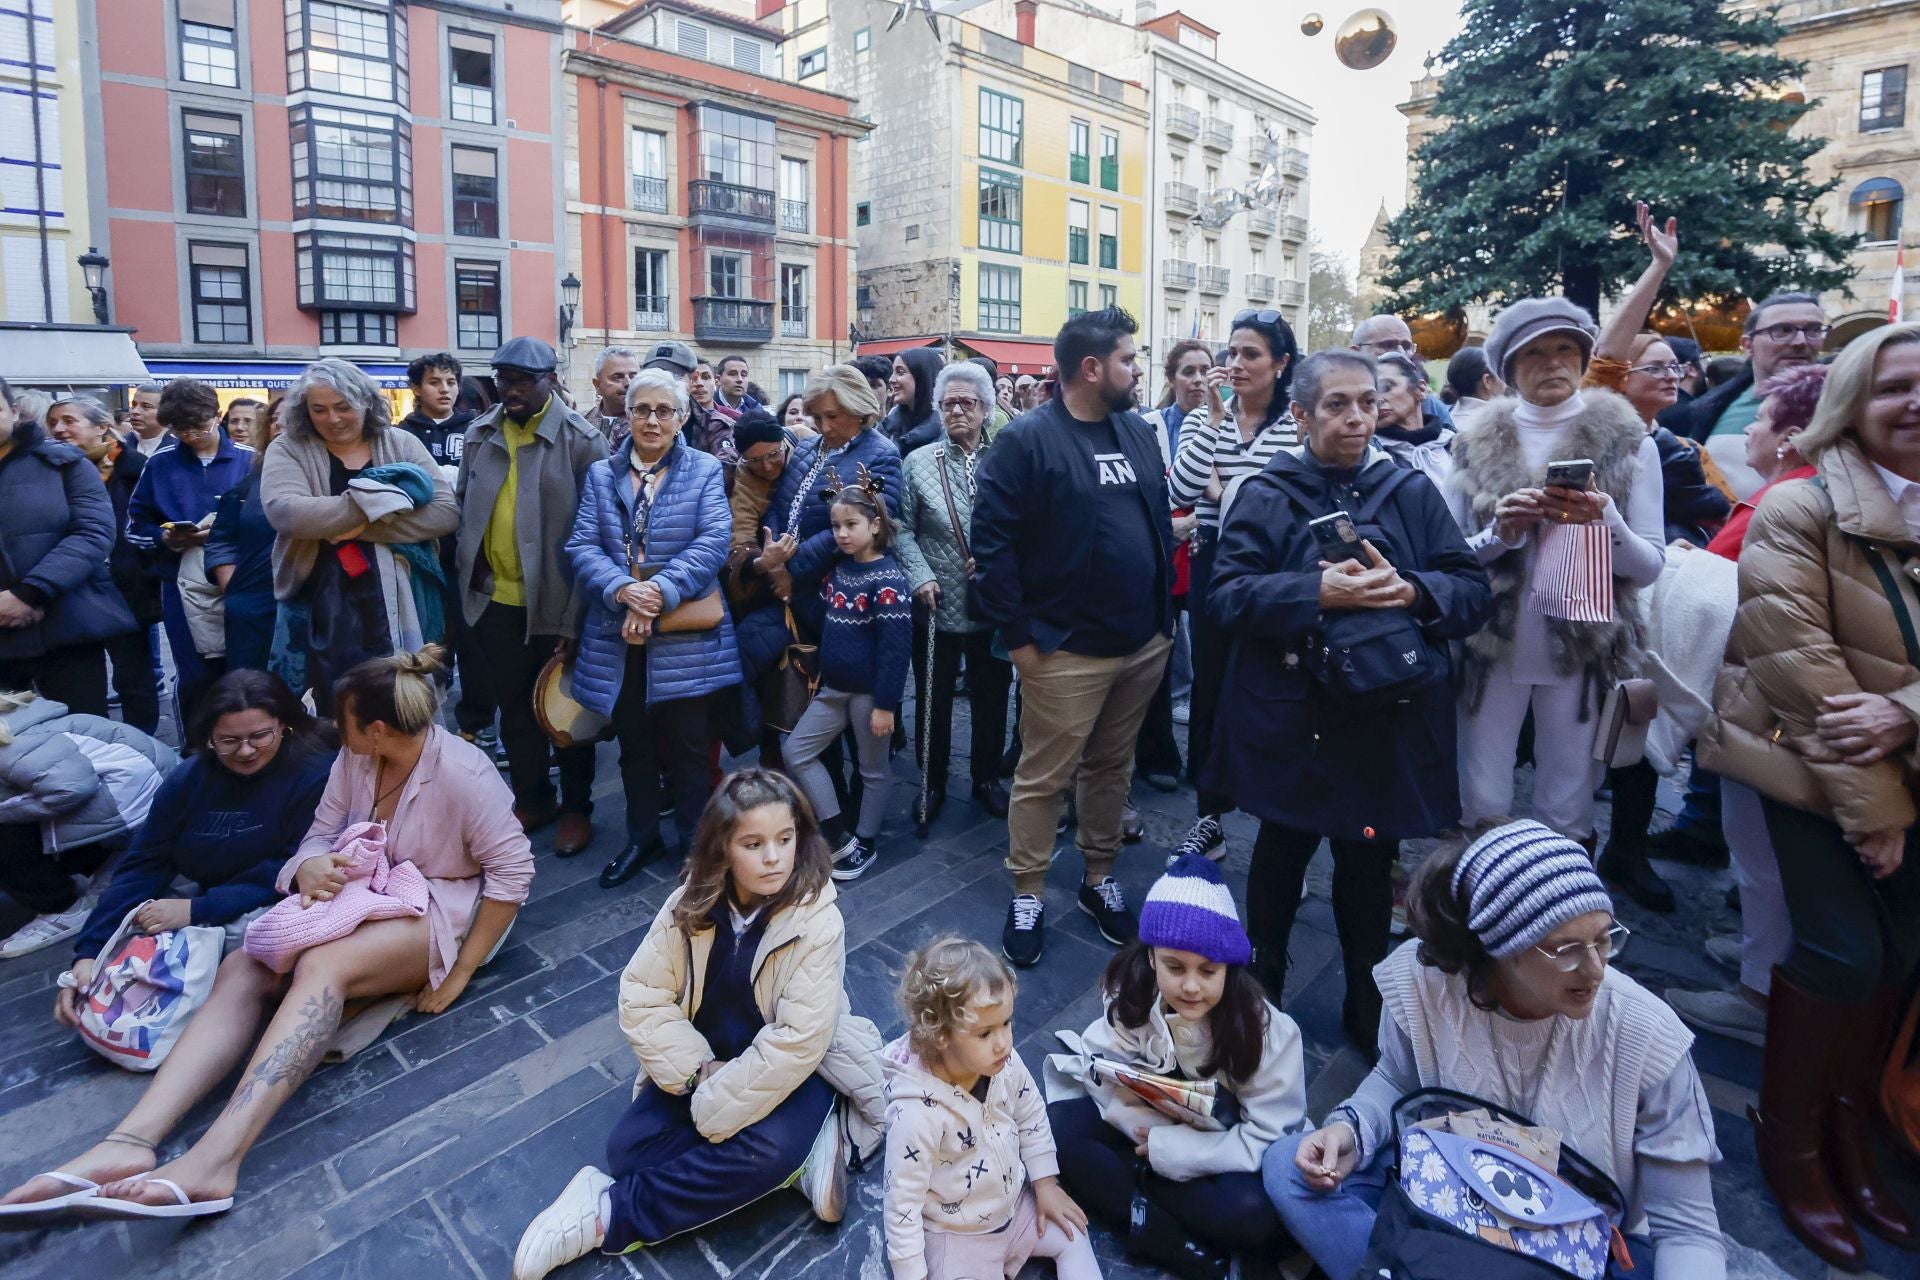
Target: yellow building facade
44, 216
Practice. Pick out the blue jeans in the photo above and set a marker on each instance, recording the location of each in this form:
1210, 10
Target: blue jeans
1334, 1226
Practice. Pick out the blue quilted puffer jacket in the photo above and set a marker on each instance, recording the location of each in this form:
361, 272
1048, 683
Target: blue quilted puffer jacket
687, 532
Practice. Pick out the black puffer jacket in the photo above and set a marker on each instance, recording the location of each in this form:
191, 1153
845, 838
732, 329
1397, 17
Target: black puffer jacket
910, 426
56, 534
1694, 508
134, 574
1694, 418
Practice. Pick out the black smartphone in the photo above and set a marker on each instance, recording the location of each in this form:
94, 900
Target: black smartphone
1337, 538
1571, 473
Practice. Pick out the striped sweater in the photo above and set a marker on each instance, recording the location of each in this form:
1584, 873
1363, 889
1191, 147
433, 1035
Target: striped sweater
1207, 450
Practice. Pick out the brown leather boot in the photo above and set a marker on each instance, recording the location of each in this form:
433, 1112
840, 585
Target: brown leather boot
1793, 1111
1861, 1057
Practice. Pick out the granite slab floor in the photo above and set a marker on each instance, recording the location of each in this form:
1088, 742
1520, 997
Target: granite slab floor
425, 1156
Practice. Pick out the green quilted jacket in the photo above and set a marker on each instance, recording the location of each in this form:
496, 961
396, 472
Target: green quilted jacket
926, 548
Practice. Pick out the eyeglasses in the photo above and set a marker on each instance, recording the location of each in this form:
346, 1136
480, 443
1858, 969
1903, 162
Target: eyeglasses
1402, 345
196, 430
1674, 370
1813, 333
1251, 316
959, 404
1567, 958
259, 741
776, 454
657, 414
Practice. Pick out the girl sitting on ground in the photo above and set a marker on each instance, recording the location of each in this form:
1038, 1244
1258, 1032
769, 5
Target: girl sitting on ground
1180, 1002
735, 1006
459, 832
973, 1187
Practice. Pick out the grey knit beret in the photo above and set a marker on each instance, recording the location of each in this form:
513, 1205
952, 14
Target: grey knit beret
1521, 882
1526, 320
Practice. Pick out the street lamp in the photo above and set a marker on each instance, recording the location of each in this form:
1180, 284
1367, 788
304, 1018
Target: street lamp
93, 267
569, 307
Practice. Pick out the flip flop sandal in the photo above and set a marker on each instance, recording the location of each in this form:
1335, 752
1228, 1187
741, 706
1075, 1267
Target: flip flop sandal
54, 1206
102, 1206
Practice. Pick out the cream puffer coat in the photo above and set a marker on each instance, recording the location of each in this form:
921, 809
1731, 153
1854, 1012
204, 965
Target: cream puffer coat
1815, 620
797, 983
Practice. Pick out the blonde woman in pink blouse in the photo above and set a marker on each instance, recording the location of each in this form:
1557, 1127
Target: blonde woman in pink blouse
459, 832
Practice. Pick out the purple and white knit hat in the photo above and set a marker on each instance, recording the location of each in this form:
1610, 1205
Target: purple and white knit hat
1190, 908
1521, 882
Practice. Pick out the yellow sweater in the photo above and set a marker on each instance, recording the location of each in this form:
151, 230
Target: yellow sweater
503, 544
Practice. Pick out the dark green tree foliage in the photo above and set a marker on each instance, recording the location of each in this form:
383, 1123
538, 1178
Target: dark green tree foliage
1559, 114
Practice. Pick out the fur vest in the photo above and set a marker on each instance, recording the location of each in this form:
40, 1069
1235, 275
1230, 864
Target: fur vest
1488, 464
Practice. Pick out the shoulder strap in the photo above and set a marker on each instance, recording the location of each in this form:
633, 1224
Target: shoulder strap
1877, 559
1378, 499
953, 512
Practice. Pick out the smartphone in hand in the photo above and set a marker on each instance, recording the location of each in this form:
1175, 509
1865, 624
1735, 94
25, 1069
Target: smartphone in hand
1337, 538
1571, 473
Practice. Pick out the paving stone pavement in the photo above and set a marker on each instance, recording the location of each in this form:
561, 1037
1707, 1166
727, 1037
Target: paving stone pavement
426, 1155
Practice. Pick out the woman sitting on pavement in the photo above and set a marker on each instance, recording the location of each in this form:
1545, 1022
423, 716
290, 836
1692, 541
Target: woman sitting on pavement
649, 538
1507, 996
226, 819
446, 810
936, 516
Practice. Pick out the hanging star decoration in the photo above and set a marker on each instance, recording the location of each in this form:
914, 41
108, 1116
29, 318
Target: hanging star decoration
904, 7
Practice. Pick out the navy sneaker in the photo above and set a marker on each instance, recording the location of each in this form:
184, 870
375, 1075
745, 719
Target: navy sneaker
1108, 908
1025, 936
853, 858
1204, 838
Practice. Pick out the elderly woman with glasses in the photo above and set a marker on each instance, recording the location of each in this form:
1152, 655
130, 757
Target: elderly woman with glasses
936, 513
170, 514
1509, 997
356, 507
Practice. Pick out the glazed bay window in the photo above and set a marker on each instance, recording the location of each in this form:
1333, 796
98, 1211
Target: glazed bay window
476, 193
649, 159
470, 77
353, 165
734, 276
1002, 127
208, 51
999, 299
1000, 211
355, 49
216, 170
360, 285
222, 296
476, 305
736, 175
1079, 232
793, 300
650, 291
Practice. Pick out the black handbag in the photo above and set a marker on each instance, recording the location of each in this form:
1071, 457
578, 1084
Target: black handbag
793, 683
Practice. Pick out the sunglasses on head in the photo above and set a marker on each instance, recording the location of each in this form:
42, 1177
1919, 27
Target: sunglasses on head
1251, 316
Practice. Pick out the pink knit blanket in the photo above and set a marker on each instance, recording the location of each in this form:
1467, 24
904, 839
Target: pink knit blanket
377, 889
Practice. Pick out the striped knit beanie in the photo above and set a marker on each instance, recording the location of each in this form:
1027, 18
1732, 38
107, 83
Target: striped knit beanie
1190, 908
1522, 881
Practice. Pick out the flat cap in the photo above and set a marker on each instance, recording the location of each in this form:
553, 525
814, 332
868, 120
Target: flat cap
675, 357
1531, 318
530, 354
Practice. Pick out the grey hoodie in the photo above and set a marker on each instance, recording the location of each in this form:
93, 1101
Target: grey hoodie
84, 779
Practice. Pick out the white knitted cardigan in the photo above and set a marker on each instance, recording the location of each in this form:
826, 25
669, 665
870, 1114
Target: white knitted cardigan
1587, 1088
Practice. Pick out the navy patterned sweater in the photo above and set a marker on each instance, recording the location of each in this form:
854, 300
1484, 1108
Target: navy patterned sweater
866, 643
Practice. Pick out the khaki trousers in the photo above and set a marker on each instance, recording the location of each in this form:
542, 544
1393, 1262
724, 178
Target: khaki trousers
1077, 713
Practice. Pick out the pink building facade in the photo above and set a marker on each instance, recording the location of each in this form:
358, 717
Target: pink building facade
289, 179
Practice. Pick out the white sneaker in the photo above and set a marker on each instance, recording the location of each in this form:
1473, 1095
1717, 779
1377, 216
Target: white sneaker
569, 1228
823, 1178
1724, 1013
48, 930
1724, 950
1182, 712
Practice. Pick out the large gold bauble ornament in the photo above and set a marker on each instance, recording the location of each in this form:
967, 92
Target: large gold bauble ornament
1312, 24
1366, 39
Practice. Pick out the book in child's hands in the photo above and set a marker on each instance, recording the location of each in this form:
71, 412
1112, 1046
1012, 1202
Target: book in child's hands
1199, 1103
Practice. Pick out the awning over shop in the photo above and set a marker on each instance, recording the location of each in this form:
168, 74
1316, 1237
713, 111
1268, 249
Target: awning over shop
894, 346
272, 374
47, 355
1012, 357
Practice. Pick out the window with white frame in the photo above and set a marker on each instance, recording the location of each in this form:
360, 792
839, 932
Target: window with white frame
476, 305
470, 76
650, 289
209, 52
795, 193
793, 300
726, 274
863, 40
792, 382
650, 170
999, 299
222, 293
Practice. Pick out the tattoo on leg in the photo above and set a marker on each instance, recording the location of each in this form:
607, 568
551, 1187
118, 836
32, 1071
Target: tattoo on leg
297, 1054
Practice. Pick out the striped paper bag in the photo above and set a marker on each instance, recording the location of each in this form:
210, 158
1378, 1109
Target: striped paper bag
1573, 573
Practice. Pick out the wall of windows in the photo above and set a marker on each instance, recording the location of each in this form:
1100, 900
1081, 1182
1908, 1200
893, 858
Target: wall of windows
352, 49
1002, 127
999, 299
354, 165
734, 147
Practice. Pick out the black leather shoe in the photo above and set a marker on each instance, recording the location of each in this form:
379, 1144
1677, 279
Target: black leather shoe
992, 797
923, 818
1629, 869
631, 859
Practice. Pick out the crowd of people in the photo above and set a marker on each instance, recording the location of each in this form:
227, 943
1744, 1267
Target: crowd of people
1368, 603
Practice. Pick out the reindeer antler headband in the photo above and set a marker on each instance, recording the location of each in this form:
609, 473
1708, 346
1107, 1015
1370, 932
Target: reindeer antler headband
863, 482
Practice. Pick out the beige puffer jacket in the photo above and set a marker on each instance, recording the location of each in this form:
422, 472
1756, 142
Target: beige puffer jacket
1815, 620
797, 983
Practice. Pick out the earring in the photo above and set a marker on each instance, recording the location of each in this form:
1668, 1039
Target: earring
1780, 453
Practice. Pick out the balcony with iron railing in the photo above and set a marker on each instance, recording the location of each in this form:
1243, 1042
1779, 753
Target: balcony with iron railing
1259, 287
649, 194
794, 216
1216, 134
727, 202
1293, 162
1181, 120
1178, 273
1293, 228
1215, 279
732, 320
793, 322
650, 313
1293, 293
1180, 197
1262, 221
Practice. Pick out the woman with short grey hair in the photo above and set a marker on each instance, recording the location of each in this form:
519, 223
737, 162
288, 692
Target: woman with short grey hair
356, 511
652, 381
936, 512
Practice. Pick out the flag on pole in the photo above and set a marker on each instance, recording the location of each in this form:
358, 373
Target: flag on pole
1896, 305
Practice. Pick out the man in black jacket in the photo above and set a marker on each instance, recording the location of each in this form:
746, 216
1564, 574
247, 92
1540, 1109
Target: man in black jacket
1073, 550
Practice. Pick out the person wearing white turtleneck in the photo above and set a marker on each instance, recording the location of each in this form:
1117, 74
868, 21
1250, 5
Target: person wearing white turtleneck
1523, 659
